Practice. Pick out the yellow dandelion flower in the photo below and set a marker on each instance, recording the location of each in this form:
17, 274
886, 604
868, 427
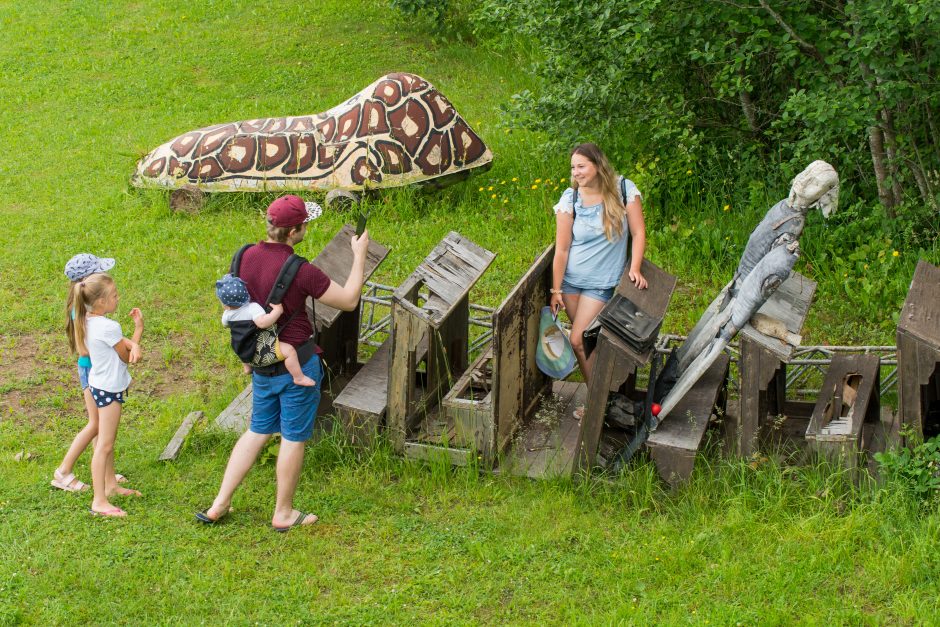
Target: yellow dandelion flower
515, 178
555, 188
490, 188
505, 200
502, 182
895, 254
493, 196
689, 172
480, 190
538, 180
535, 187
727, 207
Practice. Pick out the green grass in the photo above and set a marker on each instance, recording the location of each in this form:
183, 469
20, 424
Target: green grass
89, 87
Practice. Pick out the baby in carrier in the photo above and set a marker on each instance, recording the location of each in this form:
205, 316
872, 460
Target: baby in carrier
268, 349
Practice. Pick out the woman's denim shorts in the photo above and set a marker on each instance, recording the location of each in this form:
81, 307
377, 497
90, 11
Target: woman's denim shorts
602, 295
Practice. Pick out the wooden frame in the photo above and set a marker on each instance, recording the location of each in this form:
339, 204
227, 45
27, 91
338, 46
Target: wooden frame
430, 326
918, 339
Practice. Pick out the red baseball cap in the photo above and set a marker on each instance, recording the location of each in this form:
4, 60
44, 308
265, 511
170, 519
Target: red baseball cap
291, 210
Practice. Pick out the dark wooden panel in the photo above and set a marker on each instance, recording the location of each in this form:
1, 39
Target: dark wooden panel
518, 381
920, 315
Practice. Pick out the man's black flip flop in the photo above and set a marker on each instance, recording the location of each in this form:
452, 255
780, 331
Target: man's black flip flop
297, 523
203, 517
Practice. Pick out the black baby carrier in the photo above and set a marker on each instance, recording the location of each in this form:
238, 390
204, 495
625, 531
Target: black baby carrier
254, 346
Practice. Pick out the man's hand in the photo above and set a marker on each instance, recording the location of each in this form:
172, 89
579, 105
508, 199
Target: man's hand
360, 244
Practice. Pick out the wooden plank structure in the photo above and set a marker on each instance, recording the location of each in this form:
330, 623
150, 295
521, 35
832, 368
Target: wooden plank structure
174, 446
503, 387
848, 400
676, 441
337, 332
616, 363
762, 371
918, 339
430, 326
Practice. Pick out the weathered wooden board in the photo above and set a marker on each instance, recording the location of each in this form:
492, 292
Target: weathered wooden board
789, 304
172, 449
920, 315
362, 404
918, 340
448, 272
865, 408
547, 445
519, 384
615, 363
652, 301
675, 442
237, 415
469, 406
441, 321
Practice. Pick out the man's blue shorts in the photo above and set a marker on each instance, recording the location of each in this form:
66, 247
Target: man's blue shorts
280, 406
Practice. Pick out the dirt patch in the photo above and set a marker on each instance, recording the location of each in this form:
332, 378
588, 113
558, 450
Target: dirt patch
38, 382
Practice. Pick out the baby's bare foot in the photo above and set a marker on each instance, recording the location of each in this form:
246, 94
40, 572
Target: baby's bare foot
305, 381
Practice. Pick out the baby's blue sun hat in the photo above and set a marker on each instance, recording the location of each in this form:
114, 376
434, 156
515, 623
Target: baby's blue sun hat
232, 291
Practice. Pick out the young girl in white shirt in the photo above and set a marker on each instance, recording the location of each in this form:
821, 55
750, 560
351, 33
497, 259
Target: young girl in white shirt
94, 298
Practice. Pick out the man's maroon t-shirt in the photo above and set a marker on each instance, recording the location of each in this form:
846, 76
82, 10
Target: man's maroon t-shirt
260, 266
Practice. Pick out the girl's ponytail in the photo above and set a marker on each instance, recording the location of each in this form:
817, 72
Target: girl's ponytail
70, 317
86, 293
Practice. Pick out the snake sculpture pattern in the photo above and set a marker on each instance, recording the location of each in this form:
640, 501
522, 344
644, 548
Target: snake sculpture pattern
397, 131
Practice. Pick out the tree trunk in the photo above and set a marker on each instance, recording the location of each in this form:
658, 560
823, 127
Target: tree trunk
876, 144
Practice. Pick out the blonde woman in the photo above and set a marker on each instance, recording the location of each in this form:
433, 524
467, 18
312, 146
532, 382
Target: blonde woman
599, 231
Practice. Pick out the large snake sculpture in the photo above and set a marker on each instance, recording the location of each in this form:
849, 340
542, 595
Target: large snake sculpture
397, 131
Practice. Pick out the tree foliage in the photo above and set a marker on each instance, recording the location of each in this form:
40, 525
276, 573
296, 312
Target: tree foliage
854, 82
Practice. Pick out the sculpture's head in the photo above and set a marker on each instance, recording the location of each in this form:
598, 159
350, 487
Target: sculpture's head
816, 186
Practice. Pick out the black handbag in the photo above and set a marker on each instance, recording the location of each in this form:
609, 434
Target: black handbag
634, 327
589, 336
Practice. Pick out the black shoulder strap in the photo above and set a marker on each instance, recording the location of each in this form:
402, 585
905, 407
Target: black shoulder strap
237, 259
284, 278
623, 190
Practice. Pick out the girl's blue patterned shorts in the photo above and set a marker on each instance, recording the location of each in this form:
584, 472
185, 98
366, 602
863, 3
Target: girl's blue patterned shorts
103, 398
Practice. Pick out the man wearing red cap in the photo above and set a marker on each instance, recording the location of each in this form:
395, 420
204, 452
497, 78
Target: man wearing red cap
280, 406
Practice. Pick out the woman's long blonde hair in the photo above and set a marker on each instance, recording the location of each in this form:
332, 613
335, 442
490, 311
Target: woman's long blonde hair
83, 295
614, 209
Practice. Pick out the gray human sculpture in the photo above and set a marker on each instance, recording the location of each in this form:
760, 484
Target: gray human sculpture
768, 258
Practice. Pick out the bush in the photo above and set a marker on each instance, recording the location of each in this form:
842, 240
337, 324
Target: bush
917, 468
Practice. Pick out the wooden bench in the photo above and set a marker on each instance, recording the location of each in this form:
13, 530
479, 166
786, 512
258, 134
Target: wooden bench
675, 442
616, 363
361, 405
836, 426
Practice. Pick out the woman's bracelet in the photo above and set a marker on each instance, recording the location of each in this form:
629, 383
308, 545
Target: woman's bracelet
554, 291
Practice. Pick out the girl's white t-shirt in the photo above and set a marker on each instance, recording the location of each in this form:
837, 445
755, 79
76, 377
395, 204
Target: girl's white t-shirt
108, 372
